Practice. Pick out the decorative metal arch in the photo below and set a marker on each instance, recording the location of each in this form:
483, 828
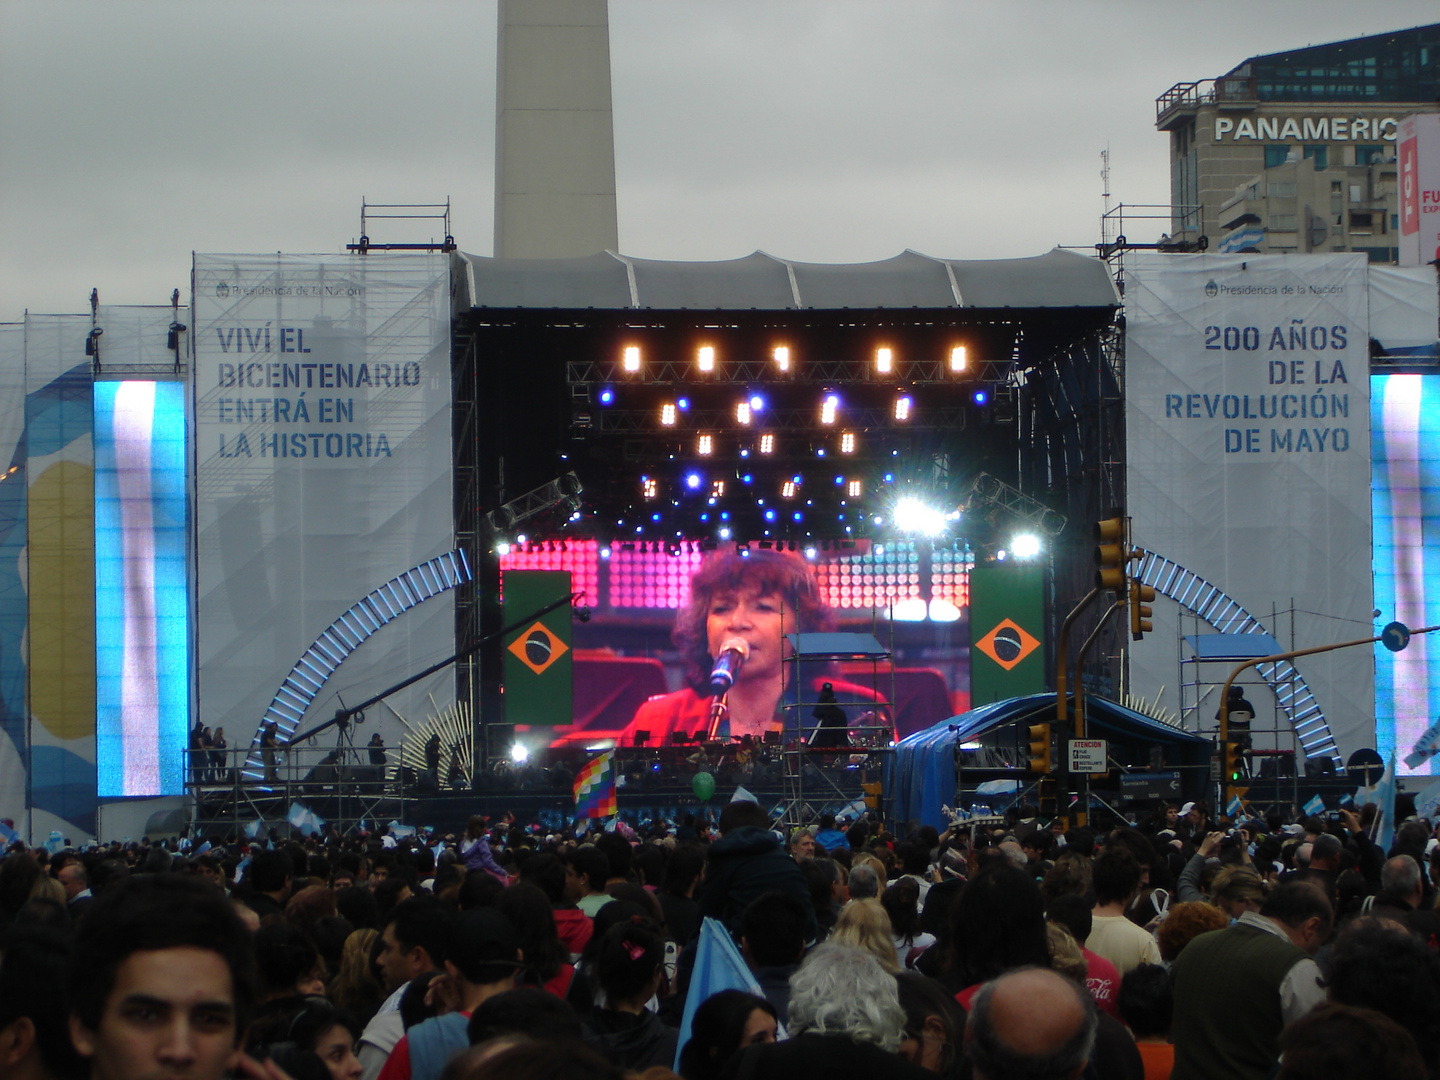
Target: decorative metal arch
345, 635
1210, 603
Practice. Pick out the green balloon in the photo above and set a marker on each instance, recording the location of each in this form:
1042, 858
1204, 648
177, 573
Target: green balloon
703, 785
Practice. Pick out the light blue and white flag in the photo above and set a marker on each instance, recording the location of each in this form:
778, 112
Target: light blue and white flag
1427, 803
1234, 807
1383, 830
718, 966
1315, 806
304, 819
8, 834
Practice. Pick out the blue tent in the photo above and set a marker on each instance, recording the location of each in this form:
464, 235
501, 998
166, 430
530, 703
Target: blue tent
920, 775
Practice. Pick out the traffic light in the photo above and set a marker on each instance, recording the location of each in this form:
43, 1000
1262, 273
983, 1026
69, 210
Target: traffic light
1230, 762
1111, 554
1040, 748
1140, 611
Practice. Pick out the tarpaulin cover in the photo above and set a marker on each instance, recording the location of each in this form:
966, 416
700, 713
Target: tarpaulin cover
920, 776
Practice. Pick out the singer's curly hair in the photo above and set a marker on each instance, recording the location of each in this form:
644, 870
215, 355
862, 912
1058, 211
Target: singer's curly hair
769, 573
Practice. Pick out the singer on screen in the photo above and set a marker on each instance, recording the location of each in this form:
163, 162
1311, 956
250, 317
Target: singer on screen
751, 600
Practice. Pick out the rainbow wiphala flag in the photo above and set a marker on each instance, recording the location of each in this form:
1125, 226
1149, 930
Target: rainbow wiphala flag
595, 788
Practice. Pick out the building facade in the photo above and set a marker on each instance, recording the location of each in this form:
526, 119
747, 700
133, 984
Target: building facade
1296, 151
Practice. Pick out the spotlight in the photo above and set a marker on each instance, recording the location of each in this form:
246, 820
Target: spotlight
502, 549
913, 516
742, 413
847, 442
717, 489
852, 490
828, 407
683, 403
787, 489
519, 754
902, 407
693, 481
767, 443
884, 360
667, 414
632, 358
724, 532
1025, 546
811, 554
757, 403
705, 446
705, 358
605, 552
607, 396
649, 488
782, 357
980, 397
957, 359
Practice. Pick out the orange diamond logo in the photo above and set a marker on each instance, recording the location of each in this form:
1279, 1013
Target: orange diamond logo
1007, 644
538, 648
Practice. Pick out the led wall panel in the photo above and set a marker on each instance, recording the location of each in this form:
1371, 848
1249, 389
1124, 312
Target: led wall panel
141, 597
1405, 421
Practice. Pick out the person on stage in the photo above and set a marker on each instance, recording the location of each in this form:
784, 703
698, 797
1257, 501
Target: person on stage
756, 599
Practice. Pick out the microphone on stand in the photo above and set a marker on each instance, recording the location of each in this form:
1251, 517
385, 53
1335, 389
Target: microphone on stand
734, 652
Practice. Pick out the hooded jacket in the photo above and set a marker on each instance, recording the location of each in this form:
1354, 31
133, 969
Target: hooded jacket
742, 866
631, 1041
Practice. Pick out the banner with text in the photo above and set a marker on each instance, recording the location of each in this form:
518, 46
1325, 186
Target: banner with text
323, 470
1248, 461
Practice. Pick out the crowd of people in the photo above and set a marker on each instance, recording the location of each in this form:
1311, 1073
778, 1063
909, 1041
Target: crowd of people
1171, 947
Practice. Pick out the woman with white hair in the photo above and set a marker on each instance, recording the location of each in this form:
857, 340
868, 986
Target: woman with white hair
846, 1022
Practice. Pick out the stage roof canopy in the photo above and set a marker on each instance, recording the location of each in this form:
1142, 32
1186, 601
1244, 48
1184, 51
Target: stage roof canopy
1057, 279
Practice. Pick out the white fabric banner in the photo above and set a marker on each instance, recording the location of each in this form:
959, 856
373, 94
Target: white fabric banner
1248, 463
323, 469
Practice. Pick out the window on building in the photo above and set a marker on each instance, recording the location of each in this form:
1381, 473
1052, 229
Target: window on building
1281, 190
1369, 155
1361, 221
1276, 155
1394, 222
1319, 154
1282, 222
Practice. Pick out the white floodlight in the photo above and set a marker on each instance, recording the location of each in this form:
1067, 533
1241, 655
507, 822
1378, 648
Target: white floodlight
913, 516
1025, 546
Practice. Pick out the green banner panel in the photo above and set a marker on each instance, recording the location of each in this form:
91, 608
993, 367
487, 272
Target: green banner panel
1007, 632
539, 661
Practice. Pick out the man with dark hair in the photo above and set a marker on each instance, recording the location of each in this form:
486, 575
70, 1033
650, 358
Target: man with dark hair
483, 957
1377, 965
1237, 989
587, 870
677, 895
160, 981
1117, 879
1341, 1042
269, 878
745, 863
34, 1033
620, 856
526, 1010
772, 940
549, 874
829, 837
412, 943
1033, 1023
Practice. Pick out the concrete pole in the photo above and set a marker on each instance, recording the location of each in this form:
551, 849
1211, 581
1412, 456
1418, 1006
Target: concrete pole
554, 131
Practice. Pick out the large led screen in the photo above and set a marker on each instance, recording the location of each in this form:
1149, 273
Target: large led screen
1406, 493
141, 599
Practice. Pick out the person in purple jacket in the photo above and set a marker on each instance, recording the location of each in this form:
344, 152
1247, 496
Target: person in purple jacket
476, 849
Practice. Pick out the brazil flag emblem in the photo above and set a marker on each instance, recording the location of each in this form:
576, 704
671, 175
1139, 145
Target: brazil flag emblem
539, 661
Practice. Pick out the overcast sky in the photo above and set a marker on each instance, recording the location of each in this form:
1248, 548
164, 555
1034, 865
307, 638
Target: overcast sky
133, 132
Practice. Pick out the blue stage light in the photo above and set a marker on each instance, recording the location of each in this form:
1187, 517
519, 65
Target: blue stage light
683, 403
607, 396
980, 397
